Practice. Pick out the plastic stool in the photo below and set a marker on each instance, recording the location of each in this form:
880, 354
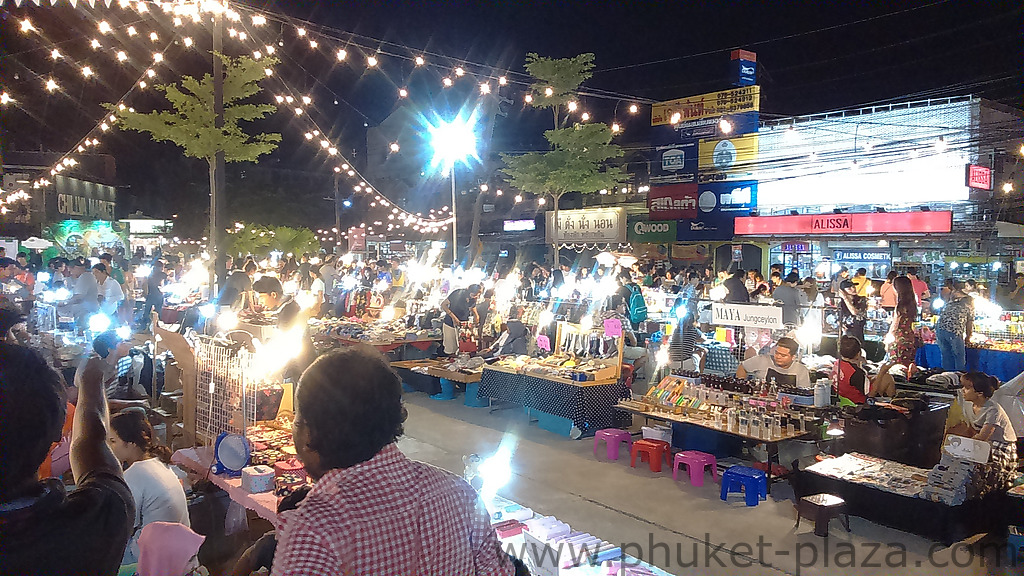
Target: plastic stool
822, 508
1015, 544
472, 400
612, 438
447, 390
695, 461
753, 483
653, 450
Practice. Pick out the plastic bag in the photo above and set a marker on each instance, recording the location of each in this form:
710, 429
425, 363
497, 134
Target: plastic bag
235, 520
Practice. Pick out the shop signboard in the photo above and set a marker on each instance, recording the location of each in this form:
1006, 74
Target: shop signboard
356, 239
743, 123
690, 252
675, 163
713, 105
860, 223
652, 232
861, 256
744, 67
590, 225
979, 177
724, 314
519, 225
795, 247
706, 227
738, 198
85, 238
727, 159
81, 200
672, 201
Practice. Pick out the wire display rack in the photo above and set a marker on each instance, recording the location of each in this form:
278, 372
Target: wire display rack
226, 383
44, 317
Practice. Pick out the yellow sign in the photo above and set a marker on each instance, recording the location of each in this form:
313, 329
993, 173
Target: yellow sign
735, 101
733, 156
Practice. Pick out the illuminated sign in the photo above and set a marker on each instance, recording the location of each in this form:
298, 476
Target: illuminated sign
979, 177
866, 223
735, 101
672, 202
590, 225
520, 225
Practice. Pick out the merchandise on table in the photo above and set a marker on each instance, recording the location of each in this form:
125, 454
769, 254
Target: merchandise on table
566, 366
377, 332
877, 473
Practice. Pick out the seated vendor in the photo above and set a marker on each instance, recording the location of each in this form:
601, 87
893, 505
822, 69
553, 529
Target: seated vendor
988, 422
631, 351
854, 383
272, 299
782, 366
514, 340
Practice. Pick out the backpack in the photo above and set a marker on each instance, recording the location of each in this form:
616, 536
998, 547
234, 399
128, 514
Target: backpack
637, 305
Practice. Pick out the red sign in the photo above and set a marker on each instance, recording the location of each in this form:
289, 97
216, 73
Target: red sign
356, 239
672, 202
864, 223
979, 177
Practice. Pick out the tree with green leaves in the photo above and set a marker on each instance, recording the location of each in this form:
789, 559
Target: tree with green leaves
580, 155
191, 123
556, 81
578, 162
260, 240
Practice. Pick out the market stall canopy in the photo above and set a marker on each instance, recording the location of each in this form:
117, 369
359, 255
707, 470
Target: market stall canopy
34, 243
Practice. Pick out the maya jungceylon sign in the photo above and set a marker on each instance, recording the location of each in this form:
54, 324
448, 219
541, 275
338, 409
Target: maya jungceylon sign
591, 225
746, 315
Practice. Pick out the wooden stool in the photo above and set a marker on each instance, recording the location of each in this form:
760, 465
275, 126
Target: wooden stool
822, 508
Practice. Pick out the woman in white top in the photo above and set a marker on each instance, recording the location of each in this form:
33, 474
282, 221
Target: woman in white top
110, 293
157, 491
989, 423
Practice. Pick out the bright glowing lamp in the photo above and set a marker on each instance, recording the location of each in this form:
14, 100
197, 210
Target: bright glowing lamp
546, 317
99, 323
228, 320
587, 322
606, 259
124, 332
496, 472
208, 310
453, 142
45, 276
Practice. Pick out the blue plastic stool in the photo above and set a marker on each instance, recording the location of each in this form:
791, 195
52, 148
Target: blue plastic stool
1015, 545
472, 399
447, 390
753, 483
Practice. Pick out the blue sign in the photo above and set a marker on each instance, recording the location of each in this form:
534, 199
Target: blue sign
710, 226
734, 198
860, 256
675, 163
744, 73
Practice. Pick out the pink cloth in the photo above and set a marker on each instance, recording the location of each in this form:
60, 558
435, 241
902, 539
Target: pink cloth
166, 548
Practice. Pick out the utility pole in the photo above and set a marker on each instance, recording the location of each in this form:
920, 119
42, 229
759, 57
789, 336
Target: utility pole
455, 225
337, 211
217, 248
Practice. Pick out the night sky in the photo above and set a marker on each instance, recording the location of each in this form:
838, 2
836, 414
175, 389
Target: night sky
812, 57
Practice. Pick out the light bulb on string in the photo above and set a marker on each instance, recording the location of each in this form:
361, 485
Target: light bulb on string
447, 82
633, 108
549, 91
150, 72
132, 31
289, 100
313, 44
51, 85
572, 106
342, 54
300, 31
402, 92
371, 61
502, 81
616, 128
141, 7
55, 54
26, 25
528, 98
298, 111
154, 37
585, 116
270, 49
307, 100
259, 20
268, 71
420, 61
104, 27
394, 147
158, 57
485, 88
86, 71
187, 41
542, 201
725, 126
123, 57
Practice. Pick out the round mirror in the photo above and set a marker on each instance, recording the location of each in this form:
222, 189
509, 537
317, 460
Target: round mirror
232, 452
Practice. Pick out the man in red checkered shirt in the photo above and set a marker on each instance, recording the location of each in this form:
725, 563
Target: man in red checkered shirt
373, 511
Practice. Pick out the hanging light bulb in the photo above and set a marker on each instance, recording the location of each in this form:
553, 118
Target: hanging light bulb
158, 57
51, 85
615, 127
572, 106
518, 198
95, 44
395, 147
542, 201
301, 31
402, 92
528, 98
342, 54
259, 20
549, 91
153, 36
420, 61
26, 25
132, 31
187, 41
676, 117
725, 126
313, 44
633, 108
104, 27
142, 84
151, 73
485, 88
55, 54
447, 82
502, 80
122, 56
585, 116
86, 71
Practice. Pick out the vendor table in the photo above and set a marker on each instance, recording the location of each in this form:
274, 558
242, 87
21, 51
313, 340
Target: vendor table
928, 519
417, 379
1002, 365
771, 445
588, 404
198, 460
387, 347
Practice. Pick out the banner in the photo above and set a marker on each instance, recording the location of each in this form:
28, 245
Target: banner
663, 232
860, 256
736, 197
675, 163
751, 315
672, 201
85, 237
858, 223
590, 225
728, 159
739, 124
706, 227
735, 101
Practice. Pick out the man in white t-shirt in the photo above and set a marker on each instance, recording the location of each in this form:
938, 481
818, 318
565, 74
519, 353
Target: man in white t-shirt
110, 293
85, 292
782, 366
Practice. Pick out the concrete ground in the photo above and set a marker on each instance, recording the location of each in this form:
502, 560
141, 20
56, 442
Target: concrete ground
687, 528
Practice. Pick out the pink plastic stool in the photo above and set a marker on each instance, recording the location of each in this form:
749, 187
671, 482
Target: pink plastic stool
612, 437
652, 451
695, 462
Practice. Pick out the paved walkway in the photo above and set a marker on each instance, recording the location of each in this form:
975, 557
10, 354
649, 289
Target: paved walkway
687, 529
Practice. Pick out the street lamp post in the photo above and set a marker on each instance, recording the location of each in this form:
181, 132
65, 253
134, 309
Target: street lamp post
453, 142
